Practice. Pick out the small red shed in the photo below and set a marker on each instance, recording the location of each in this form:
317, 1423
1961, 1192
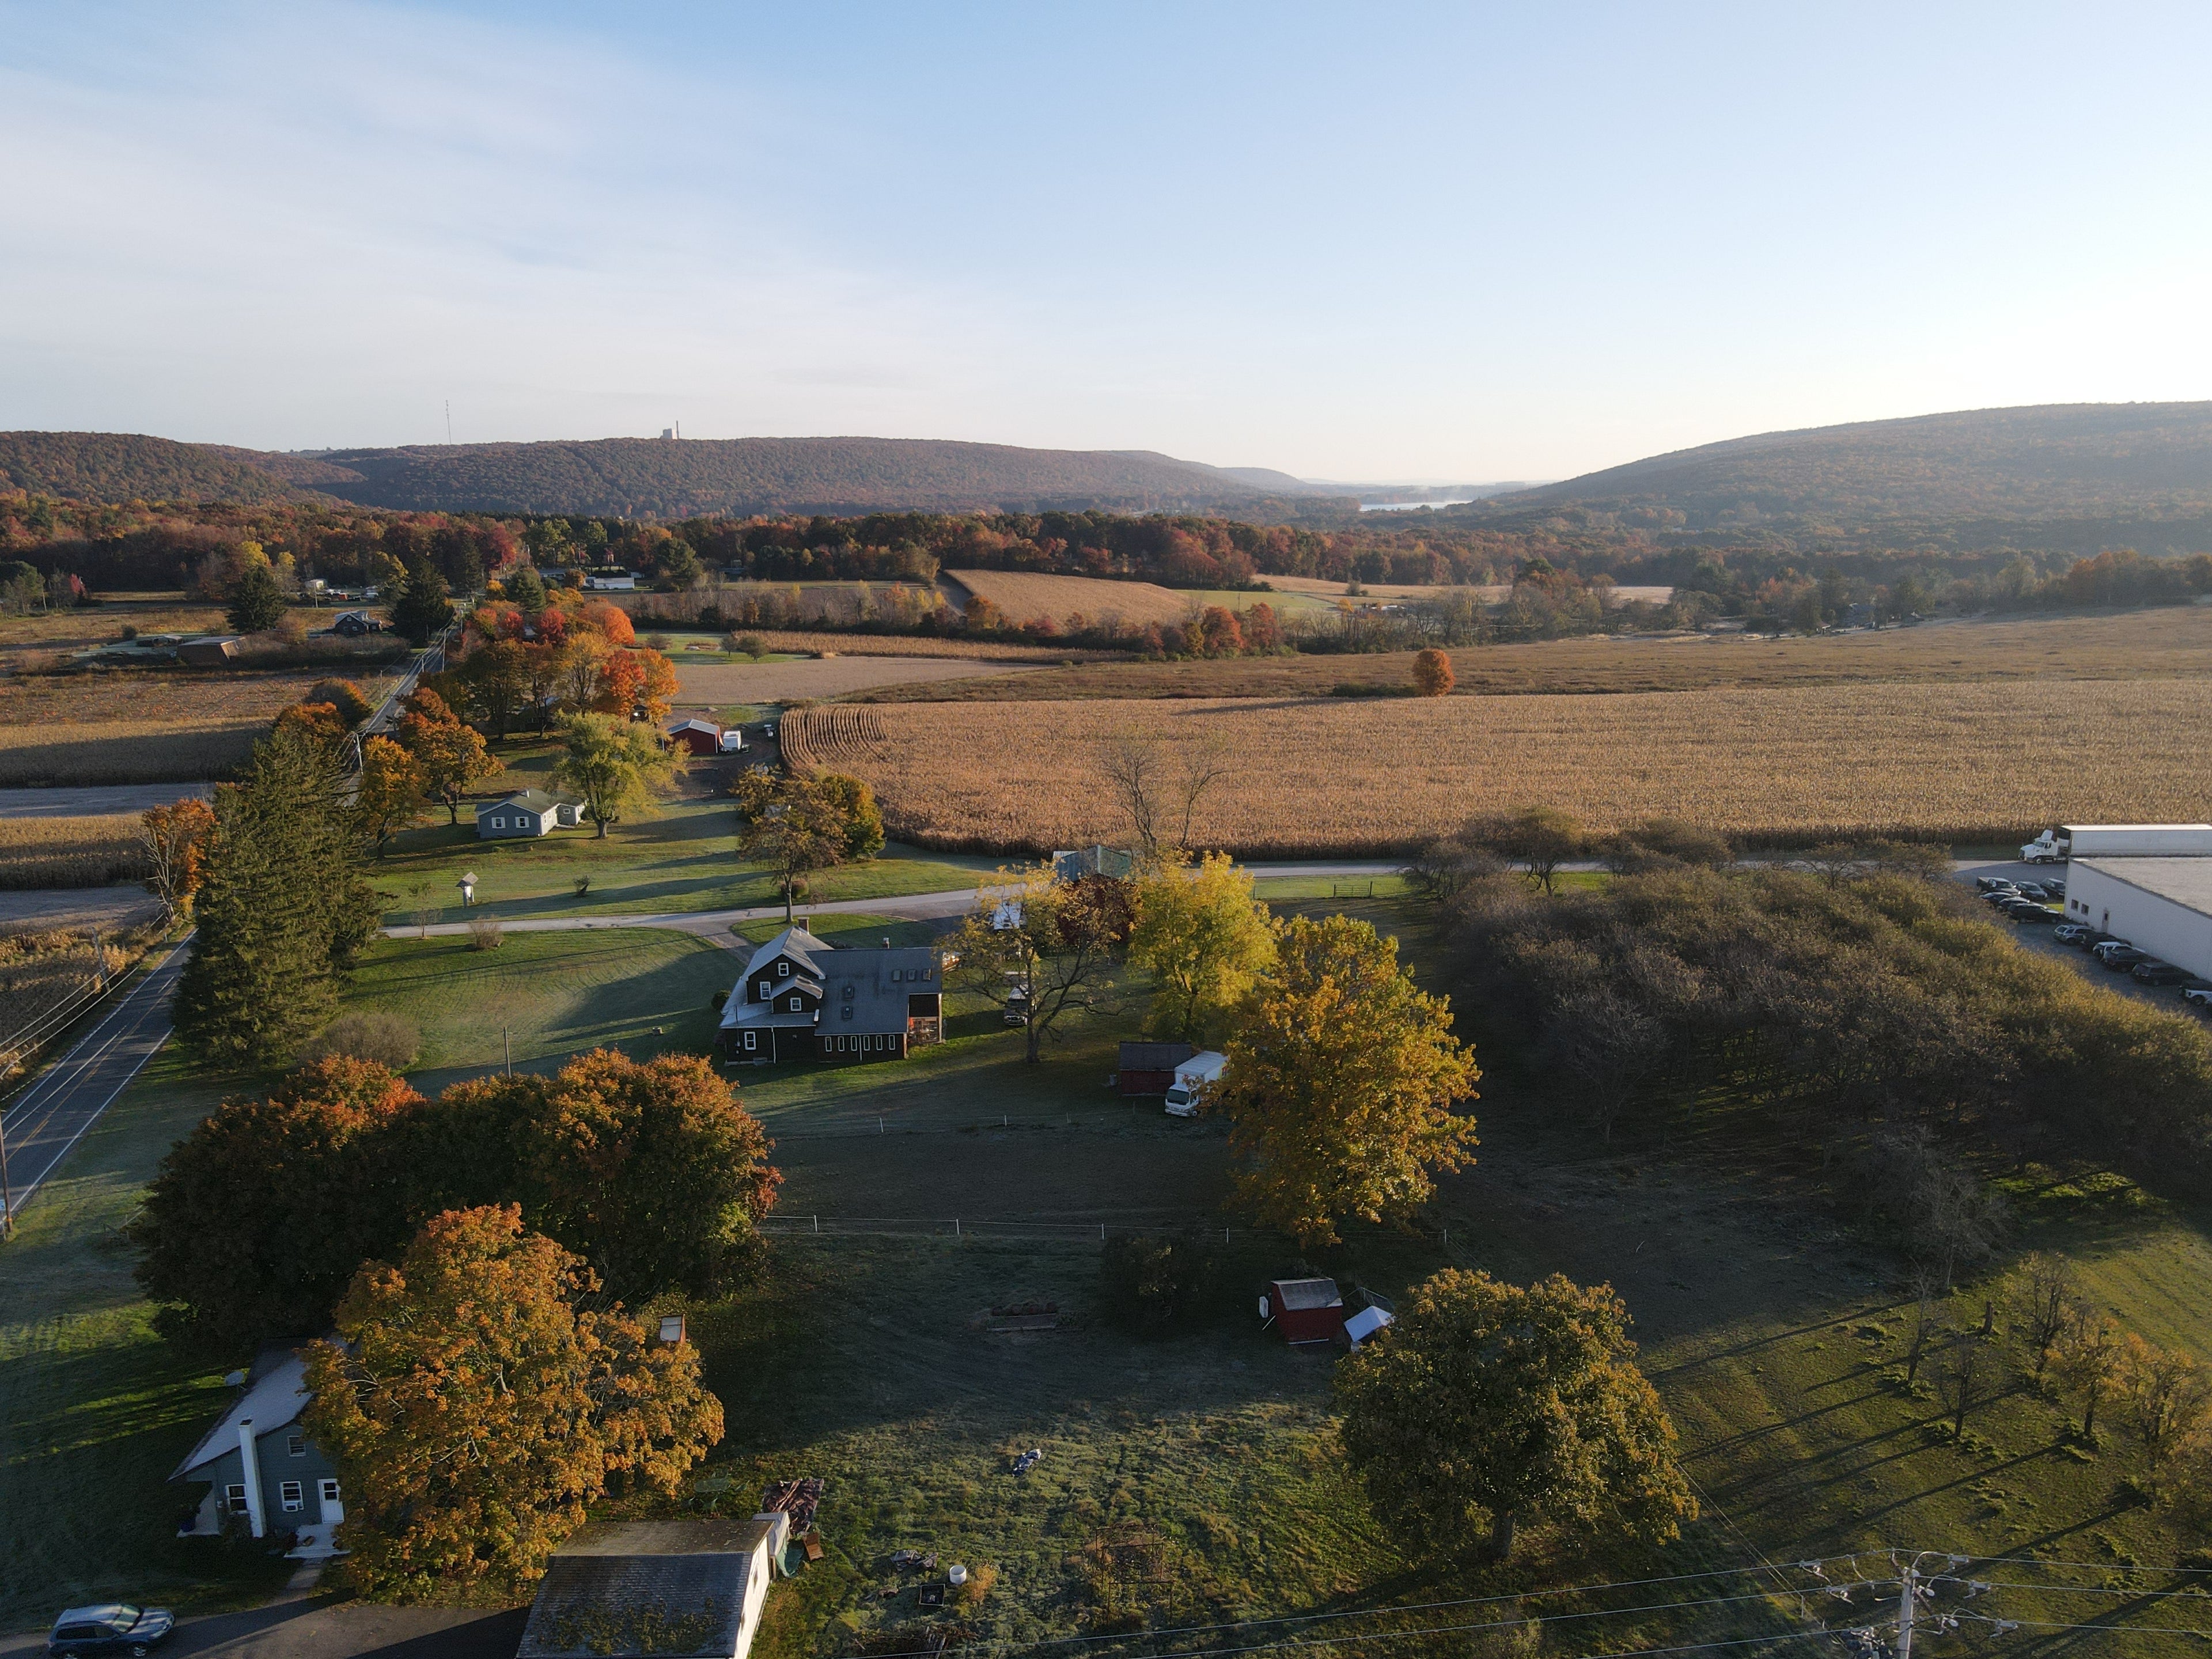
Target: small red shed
1149, 1069
699, 736
1305, 1310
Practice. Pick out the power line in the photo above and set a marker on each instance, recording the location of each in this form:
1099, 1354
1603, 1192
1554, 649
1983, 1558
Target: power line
2086, 1567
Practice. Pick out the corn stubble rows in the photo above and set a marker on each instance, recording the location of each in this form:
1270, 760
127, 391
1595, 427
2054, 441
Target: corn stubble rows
1962, 761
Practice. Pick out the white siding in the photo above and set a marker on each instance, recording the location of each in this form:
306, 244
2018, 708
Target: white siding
2167, 929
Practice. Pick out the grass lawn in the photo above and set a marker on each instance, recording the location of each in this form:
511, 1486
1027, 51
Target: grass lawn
683, 858
95, 1410
643, 990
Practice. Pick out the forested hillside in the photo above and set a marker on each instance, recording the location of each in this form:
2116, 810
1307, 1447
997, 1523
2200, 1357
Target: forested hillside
2080, 477
635, 477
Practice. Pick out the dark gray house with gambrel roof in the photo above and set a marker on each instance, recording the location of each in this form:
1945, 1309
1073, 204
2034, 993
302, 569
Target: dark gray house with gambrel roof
802, 999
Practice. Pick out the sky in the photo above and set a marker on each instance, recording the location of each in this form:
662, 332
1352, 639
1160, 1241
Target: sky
1405, 243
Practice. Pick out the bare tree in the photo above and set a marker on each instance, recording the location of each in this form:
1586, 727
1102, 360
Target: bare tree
1159, 797
2043, 1298
1925, 1323
1962, 1376
1608, 1046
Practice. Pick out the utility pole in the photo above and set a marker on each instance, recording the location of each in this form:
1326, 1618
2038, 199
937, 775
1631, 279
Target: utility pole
507, 1044
7, 1190
1905, 1614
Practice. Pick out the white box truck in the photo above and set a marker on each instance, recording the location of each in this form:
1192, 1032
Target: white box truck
2142, 841
1191, 1078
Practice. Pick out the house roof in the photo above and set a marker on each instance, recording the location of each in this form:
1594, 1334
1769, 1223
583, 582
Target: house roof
666, 1587
1155, 1056
274, 1399
2182, 880
693, 723
877, 1000
532, 800
1298, 1294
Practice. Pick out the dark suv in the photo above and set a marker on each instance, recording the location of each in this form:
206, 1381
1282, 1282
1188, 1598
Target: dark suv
114, 1627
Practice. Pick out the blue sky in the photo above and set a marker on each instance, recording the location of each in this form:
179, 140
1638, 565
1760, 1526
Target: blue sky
1354, 242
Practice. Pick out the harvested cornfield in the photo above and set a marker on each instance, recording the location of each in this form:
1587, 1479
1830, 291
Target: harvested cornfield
95, 851
713, 685
1025, 596
41, 971
1963, 762
124, 751
908, 645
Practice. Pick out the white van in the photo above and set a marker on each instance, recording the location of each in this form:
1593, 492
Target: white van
1191, 1079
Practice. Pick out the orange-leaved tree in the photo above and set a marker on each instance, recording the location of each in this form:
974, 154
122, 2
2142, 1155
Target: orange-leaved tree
392, 791
1340, 1082
175, 838
1432, 672
477, 1404
452, 755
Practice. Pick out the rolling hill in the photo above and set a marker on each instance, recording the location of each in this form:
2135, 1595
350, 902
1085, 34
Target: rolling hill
2063, 469
635, 477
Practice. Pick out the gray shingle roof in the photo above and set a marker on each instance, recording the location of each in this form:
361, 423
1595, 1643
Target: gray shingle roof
670, 1589
533, 801
878, 1000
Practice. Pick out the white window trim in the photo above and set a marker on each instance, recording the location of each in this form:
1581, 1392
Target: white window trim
329, 1491
750, 1043
291, 1497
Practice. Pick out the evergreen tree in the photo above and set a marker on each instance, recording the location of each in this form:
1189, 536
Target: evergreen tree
526, 591
282, 912
423, 607
257, 601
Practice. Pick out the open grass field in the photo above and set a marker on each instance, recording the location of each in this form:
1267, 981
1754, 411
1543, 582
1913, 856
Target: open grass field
2164, 644
800, 642
1971, 762
81, 852
45, 631
703, 685
1024, 595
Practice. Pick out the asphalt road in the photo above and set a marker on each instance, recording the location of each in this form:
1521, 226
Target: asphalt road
715, 925
52, 1114
95, 802
318, 1627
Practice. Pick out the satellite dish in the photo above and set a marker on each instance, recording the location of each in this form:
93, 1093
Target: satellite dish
236, 1380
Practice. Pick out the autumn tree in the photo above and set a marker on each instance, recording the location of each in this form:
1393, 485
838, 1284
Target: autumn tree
2044, 1290
319, 723
175, 840
856, 804
497, 678
451, 753
477, 1403
1488, 1404
2086, 1361
1202, 936
1341, 1079
256, 1218
622, 683
657, 685
1054, 942
256, 602
1433, 673
392, 791
616, 768
281, 914
2163, 1396
793, 825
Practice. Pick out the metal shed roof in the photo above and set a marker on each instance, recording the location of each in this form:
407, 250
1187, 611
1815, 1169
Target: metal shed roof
671, 1588
1297, 1294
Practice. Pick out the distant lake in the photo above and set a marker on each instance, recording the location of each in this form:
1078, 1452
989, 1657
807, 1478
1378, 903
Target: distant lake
1408, 507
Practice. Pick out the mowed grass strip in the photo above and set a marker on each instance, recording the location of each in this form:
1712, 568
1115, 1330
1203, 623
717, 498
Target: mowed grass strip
1964, 761
86, 852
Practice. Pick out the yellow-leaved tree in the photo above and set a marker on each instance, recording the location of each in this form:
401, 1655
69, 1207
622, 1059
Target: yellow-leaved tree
1342, 1079
476, 1406
393, 792
1203, 936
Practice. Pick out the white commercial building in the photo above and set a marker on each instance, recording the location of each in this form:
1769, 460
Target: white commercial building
2162, 905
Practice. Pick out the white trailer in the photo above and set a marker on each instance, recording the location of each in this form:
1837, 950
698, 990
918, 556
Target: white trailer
2139, 840
1191, 1079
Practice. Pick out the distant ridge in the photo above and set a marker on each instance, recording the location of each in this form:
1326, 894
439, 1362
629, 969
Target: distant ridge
2095, 463
639, 478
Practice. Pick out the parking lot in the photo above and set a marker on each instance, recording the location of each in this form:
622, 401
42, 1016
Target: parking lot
2036, 936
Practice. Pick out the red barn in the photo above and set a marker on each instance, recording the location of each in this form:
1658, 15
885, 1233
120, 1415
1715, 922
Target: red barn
1305, 1310
699, 736
1149, 1069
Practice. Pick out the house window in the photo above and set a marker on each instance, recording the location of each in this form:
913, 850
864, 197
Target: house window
235, 1496
750, 1036
783, 970
897, 974
293, 1496
794, 1004
499, 823
925, 973
330, 1491
763, 990
296, 1445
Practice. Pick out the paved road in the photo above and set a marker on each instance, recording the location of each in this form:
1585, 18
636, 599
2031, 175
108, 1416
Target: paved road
52, 1115
715, 925
319, 1627
96, 802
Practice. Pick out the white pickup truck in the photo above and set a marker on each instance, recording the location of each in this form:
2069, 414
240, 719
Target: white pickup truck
1191, 1078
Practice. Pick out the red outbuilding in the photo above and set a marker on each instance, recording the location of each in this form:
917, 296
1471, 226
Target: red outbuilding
1304, 1310
699, 736
1149, 1069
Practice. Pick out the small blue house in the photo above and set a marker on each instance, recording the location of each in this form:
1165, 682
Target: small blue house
263, 1474
533, 812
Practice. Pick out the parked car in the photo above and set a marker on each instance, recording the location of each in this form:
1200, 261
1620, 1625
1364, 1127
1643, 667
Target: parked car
2124, 959
2032, 912
1990, 884
111, 1627
2094, 937
2036, 891
2111, 942
2155, 972
2072, 933
1998, 897
2199, 995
